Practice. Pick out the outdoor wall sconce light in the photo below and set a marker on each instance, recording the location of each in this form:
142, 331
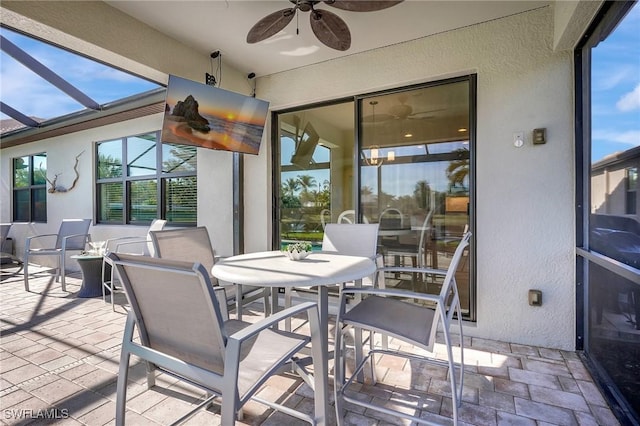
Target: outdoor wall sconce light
535, 298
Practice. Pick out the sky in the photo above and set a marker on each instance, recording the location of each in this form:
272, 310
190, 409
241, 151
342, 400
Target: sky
25, 91
615, 89
615, 85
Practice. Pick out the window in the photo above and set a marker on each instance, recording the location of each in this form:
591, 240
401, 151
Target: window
632, 190
30, 188
159, 181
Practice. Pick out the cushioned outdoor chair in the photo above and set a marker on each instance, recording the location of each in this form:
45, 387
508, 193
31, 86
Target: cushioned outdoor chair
194, 245
132, 245
409, 317
183, 330
73, 235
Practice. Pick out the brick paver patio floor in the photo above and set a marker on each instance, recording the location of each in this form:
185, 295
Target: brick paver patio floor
60, 355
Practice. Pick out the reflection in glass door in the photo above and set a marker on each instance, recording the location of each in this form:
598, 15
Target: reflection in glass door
315, 172
415, 175
609, 258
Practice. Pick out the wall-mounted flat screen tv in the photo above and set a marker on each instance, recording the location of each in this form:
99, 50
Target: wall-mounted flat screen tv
305, 147
210, 117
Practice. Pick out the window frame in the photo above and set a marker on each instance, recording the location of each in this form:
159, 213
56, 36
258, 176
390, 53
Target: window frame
356, 100
30, 189
126, 179
631, 190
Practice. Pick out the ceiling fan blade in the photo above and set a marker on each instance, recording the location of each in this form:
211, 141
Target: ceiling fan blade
330, 29
377, 118
362, 5
270, 25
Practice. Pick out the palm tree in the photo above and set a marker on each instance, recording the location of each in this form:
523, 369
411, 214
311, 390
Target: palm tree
421, 192
306, 181
290, 187
458, 170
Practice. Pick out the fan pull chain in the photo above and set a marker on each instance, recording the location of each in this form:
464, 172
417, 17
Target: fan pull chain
297, 23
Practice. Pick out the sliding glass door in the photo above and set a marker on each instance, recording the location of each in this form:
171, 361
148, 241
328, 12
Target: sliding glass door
415, 175
400, 158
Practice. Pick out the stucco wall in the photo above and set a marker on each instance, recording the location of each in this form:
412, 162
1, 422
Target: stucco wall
525, 219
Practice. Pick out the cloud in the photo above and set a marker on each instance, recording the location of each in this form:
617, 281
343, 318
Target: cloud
629, 137
28, 93
630, 101
611, 76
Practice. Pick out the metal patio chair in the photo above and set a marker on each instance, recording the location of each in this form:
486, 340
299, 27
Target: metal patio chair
73, 235
194, 245
183, 330
351, 239
132, 245
409, 317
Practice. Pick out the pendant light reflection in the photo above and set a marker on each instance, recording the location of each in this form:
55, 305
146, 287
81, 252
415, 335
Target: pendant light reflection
374, 150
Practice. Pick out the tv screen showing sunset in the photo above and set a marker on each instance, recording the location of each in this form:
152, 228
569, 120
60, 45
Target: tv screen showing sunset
214, 118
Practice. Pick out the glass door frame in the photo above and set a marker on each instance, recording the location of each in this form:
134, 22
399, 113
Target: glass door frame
604, 23
357, 179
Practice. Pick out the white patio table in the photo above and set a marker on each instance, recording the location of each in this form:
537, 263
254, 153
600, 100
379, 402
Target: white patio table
274, 269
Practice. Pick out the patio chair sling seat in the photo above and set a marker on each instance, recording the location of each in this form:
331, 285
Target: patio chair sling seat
73, 235
194, 245
409, 317
185, 331
398, 320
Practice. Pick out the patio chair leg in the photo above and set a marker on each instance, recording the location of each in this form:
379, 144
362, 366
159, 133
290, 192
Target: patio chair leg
123, 372
26, 275
151, 375
287, 303
338, 375
265, 301
62, 272
239, 297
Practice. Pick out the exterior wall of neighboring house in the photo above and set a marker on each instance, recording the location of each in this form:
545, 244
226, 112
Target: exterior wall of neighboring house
609, 184
525, 216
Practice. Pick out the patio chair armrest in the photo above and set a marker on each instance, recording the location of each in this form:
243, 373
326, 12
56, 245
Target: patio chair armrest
110, 241
253, 329
87, 237
412, 269
132, 241
34, 237
391, 293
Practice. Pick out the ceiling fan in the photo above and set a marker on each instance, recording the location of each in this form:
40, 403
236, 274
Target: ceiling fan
400, 111
328, 27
